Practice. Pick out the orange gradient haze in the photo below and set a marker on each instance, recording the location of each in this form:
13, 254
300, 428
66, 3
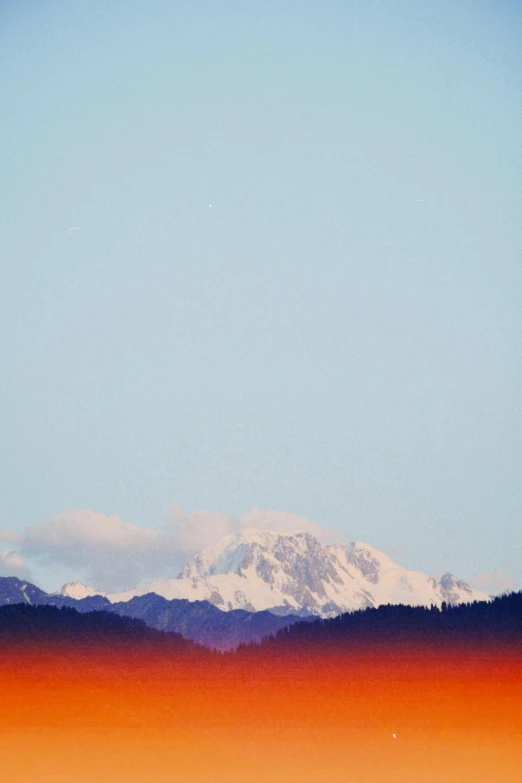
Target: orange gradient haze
118, 717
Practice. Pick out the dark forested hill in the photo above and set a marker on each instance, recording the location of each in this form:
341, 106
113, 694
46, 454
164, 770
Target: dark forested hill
26, 626
493, 624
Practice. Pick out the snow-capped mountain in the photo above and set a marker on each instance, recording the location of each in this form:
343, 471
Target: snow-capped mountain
288, 574
78, 591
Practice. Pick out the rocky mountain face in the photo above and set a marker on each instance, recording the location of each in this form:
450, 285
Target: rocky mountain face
294, 574
16, 591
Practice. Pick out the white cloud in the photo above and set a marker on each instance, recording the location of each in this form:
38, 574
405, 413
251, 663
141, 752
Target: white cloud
283, 522
491, 582
11, 536
111, 554
11, 564
200, 529
103, 550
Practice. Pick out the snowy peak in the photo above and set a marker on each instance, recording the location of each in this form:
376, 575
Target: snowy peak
78, 591
294, 568
455, 591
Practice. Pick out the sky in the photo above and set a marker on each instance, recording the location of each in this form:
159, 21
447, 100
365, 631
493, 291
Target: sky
260, 256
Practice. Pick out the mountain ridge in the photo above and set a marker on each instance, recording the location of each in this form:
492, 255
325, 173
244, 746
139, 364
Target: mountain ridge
197, 621
294, 573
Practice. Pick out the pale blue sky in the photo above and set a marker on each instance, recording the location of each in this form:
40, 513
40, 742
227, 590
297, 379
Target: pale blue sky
339, 335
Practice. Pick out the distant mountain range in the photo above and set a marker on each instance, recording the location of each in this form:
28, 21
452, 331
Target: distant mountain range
294, 574
198, 621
